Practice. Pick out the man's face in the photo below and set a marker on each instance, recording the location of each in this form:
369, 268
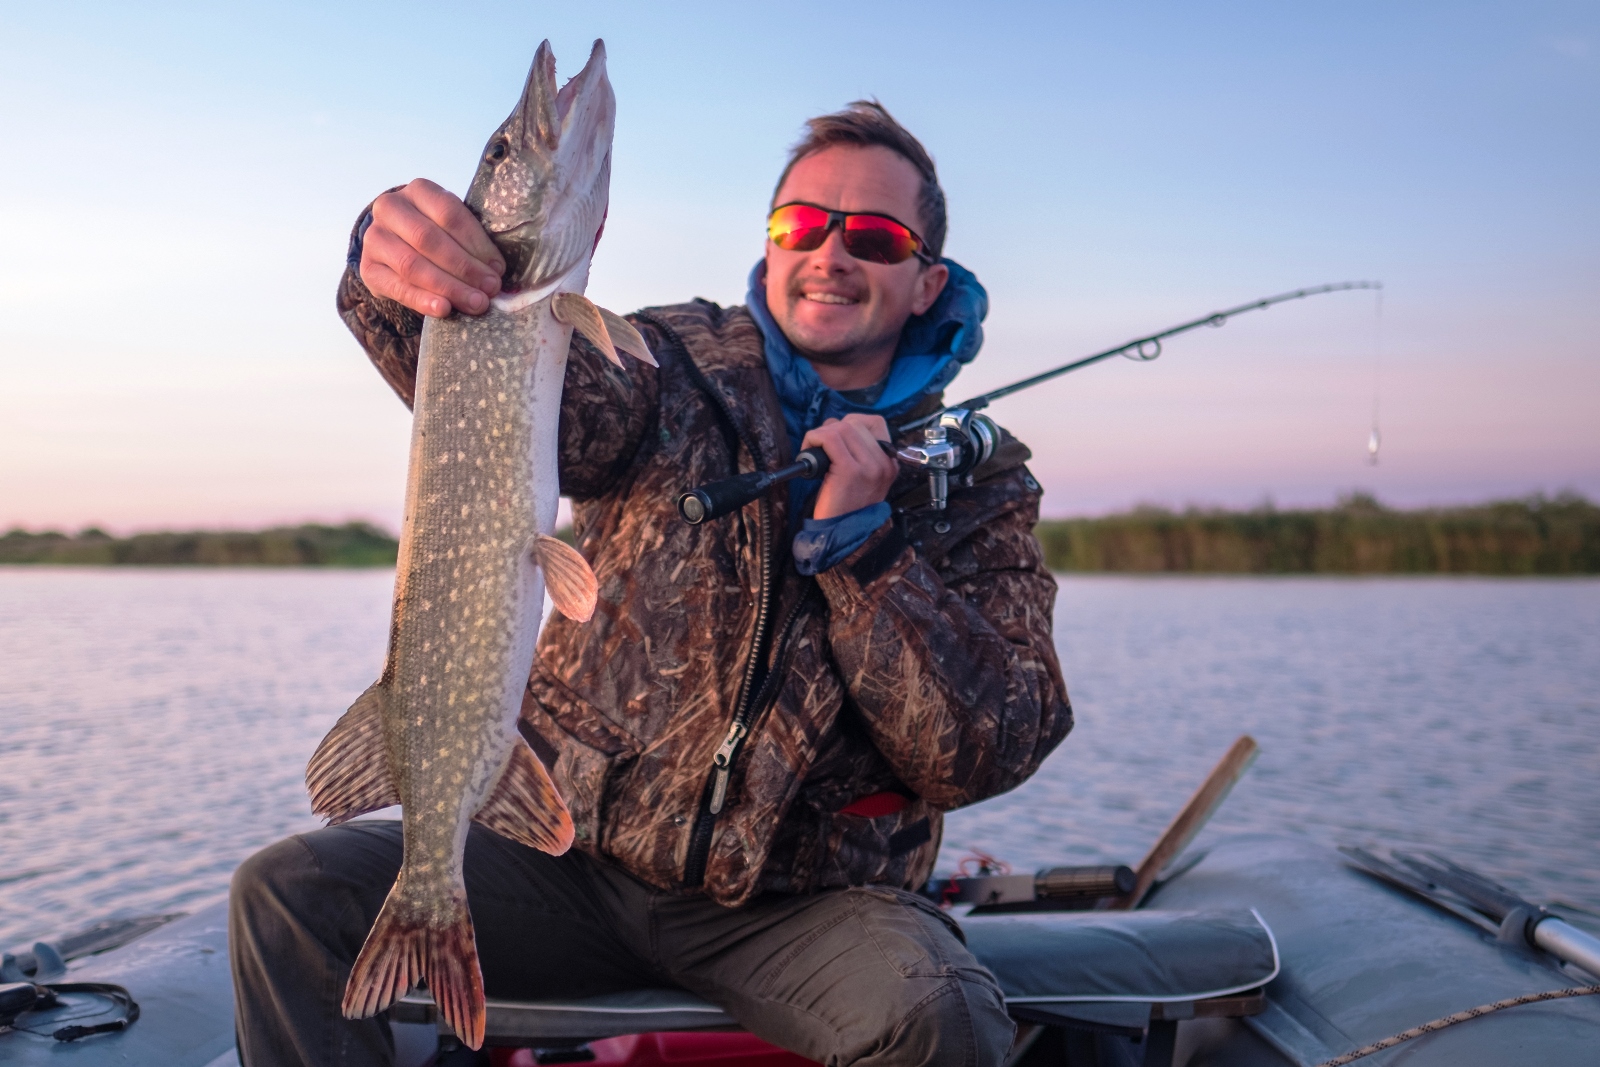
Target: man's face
837, 310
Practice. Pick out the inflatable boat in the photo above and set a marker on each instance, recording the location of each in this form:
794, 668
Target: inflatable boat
1259, 951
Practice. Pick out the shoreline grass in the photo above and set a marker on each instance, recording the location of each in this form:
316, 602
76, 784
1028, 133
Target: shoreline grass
1533, 536
355, 544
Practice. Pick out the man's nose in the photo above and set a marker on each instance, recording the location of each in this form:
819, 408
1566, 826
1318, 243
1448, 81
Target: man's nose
831, 255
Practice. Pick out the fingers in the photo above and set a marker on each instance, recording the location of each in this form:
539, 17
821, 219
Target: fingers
859, 473
451, 215
425, 250
853, 439
395, 269
861, 434
874, 425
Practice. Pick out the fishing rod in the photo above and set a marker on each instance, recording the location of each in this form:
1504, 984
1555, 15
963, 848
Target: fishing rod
957, 438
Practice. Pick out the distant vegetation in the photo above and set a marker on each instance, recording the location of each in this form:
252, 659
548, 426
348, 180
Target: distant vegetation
1537, 535
354, 544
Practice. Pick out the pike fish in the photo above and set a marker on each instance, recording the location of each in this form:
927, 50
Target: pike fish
437, 733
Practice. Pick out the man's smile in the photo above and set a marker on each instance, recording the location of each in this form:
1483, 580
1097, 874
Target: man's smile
829, 298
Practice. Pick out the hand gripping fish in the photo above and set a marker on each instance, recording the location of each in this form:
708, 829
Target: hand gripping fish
437, 733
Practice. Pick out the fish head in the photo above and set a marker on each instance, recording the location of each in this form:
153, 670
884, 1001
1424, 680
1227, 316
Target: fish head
544, 180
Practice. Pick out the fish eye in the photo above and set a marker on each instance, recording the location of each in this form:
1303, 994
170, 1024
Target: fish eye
497, 152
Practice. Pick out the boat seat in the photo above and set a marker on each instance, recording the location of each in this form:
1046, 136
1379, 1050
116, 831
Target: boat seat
1115, 971
574, 1020
1120, 970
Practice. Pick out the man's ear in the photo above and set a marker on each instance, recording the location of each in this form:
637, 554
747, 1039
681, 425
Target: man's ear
930, 283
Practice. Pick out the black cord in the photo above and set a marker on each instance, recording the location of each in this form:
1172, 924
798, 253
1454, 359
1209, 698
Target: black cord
114, 993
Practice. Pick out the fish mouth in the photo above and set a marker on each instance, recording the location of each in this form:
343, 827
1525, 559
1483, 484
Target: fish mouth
583, 110
509, 231
543, 184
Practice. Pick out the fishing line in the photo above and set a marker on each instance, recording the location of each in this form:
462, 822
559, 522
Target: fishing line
1375, 438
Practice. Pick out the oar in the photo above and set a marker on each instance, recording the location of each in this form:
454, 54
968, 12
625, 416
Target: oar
1195, 814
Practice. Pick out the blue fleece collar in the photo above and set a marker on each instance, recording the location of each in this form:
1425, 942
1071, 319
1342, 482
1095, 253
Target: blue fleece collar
933, 348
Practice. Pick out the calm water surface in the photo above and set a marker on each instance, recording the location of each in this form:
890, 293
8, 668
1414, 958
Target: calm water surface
154, 725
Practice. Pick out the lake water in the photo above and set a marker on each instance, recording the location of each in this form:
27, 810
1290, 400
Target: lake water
155, 724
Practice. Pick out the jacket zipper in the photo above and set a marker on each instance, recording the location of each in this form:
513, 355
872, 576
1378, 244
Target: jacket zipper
705, 821
727, 754
716, 790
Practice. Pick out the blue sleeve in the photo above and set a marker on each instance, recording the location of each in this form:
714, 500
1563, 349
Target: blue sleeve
822, 543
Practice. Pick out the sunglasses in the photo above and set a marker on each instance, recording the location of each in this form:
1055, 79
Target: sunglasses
873, 238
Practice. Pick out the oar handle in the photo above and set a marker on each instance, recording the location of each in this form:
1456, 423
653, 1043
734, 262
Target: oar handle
1195, 814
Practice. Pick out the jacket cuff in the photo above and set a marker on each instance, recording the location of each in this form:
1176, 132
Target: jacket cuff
386, 329
881, 560
358, 236
823, 543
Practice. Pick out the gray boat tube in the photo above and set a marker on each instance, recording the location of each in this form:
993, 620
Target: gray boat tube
1566, 942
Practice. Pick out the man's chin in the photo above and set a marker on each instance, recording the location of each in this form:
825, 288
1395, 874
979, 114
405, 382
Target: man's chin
829, 348
833, 343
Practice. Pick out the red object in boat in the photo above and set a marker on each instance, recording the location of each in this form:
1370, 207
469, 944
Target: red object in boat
671, 1049
873, 805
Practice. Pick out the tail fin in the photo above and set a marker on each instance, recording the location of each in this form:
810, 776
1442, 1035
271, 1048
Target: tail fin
407, 943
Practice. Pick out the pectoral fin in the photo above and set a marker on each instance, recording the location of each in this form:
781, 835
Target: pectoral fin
567, 577
625, 337
575, 310
349, 773
526, 807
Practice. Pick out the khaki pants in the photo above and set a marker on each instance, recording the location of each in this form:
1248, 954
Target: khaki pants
871, 976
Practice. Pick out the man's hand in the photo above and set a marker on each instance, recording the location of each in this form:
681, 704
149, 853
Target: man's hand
425, 250
859, 473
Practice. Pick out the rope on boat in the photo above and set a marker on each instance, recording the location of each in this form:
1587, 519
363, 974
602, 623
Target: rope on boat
1459, 1017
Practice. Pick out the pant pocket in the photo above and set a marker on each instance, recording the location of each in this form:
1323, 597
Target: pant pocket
914, 936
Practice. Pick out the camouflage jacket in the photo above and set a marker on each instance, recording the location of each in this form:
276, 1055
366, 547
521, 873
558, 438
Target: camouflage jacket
920, 671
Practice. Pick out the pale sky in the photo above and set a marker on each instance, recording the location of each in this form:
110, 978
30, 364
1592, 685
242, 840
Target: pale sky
177, 183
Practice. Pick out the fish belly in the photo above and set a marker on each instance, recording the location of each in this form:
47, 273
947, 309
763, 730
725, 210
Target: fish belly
469, 594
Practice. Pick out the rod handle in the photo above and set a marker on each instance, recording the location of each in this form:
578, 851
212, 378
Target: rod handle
716, 499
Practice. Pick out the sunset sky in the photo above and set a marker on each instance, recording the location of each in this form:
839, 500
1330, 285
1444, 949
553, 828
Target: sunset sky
178, 182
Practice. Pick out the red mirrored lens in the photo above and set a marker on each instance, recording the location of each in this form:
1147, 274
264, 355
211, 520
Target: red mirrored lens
877, 239
798, 227
873, 238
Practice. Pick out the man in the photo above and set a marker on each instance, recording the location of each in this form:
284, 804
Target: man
760, 727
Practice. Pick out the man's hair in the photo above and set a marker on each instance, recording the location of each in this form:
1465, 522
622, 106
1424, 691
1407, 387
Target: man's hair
867, 122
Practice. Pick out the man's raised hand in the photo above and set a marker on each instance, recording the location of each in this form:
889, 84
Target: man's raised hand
859, 472
425, 250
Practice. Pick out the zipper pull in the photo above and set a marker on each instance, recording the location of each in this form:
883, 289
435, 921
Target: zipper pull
730, 745
723, 762
719, 791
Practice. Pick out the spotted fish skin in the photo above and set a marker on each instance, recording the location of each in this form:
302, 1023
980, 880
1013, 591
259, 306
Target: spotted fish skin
437, 733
